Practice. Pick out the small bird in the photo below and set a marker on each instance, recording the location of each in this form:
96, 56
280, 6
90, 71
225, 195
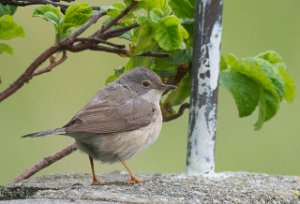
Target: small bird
123, 119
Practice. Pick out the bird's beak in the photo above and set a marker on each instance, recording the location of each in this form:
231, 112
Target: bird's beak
167, 87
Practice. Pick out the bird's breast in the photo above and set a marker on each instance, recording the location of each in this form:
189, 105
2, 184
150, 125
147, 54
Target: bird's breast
123, 144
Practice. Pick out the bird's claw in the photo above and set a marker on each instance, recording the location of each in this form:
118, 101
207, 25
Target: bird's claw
134, 180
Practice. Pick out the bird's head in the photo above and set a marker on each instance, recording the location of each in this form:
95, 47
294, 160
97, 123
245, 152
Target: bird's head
145, 83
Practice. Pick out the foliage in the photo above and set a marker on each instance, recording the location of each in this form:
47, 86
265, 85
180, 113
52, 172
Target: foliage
8, 28
75, 16
166, 26
257, 81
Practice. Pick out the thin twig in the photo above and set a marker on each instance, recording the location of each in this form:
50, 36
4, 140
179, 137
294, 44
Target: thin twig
154, 54
91, 46
117, 32
27, 75
98, 40
47, 161
118, 18
51, 65
85, 26
178, 114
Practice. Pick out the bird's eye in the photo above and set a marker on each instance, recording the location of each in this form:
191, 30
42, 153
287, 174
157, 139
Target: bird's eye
146, 84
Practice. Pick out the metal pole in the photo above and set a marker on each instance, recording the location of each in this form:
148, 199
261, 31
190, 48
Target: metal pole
204, 89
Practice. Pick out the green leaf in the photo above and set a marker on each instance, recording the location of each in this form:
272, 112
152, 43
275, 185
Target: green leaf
117, 72
9, 29
268, 72
271, 56
179, 57
251, 68
275, 59
143, 37
150, 4
164, 68
76, 15
289, 92
268, 106
48, 13
243, 89
223, 64
272, 73
5, 48
168, 35
183, 9
7, 9
184, 32
115, 10
156, 15
176, 97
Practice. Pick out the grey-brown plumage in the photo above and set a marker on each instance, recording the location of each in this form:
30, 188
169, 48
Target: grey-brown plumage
121, 120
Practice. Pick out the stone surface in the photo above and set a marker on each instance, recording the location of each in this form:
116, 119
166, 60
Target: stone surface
159, 188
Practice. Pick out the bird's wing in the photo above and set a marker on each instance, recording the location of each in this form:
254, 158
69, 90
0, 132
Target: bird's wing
108, 116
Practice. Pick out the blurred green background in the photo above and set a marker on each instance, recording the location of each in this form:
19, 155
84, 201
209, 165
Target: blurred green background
50, 100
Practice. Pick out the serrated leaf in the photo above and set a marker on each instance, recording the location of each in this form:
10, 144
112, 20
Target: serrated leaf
183, 9
268, 72
9, 29
176, 97
7, 9
76, 15
168, 35
117, 72
251, 68
243, 89
48, 13
143, 38
5, 48
268, 106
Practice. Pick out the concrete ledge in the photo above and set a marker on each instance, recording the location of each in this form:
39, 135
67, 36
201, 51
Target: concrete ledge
159, 188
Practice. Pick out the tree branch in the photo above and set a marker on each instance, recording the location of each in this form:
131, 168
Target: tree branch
53, 63
178, 114
99, 40
154, 54
117, 32
27, 75
63, 7
47, 161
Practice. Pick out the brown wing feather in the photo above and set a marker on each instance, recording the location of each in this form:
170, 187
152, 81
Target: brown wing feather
109, 116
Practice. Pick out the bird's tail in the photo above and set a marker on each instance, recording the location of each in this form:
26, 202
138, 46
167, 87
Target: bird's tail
57, 131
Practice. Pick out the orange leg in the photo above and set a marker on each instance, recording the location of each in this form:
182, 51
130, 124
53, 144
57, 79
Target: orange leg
95, 180
133, 178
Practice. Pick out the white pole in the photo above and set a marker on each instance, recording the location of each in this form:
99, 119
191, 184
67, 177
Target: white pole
204, 89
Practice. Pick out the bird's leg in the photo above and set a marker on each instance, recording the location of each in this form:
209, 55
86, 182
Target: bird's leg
95, 180
134, 178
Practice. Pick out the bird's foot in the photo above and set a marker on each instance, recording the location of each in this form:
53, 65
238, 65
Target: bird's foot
134, 180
